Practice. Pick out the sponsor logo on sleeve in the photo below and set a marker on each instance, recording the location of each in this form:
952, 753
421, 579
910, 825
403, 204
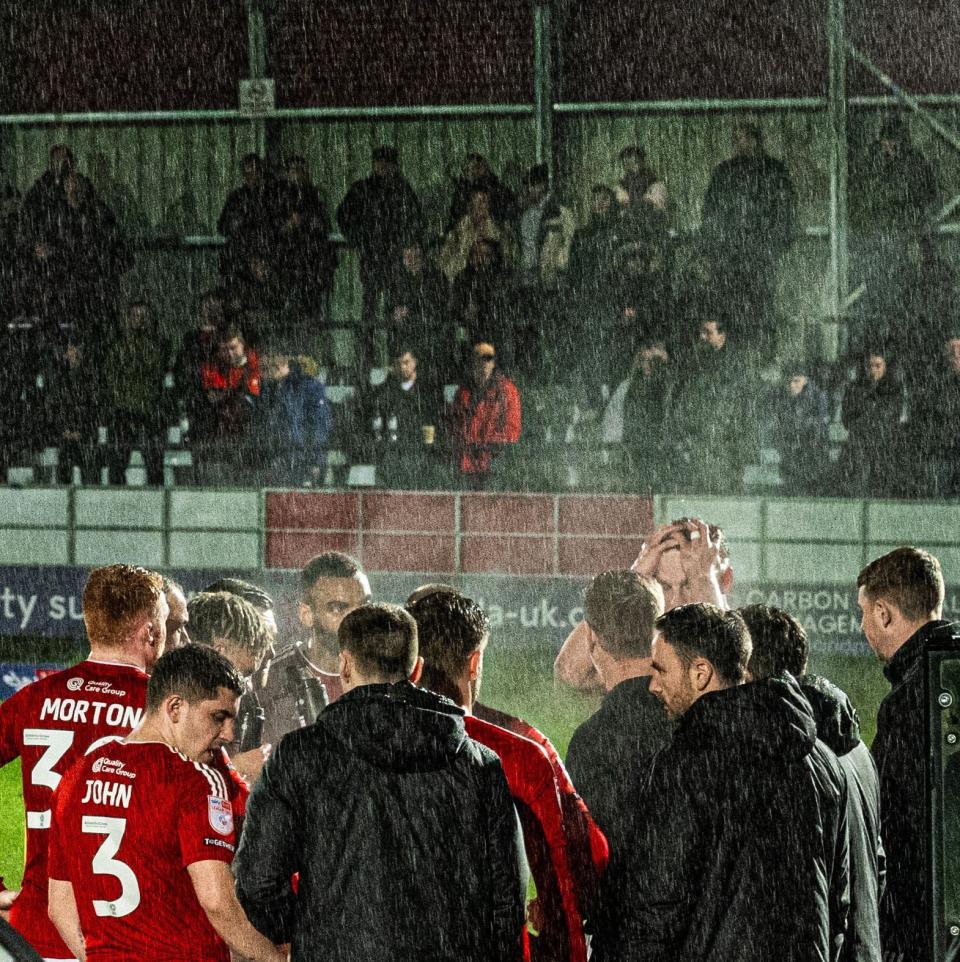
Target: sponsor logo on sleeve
220, 815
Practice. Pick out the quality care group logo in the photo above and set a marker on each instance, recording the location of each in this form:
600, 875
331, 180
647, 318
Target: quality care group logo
74, 684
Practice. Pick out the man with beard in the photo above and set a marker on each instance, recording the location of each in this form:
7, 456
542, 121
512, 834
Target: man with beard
741, 811
332, 585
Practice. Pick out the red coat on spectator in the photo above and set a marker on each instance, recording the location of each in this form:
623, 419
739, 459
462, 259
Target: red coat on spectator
483, 420
228, 396
535, 793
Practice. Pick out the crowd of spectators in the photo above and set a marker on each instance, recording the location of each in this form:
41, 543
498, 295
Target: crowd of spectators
661, 351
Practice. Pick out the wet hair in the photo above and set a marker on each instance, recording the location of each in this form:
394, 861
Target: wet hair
228, 332
243, 589
716, 536
779, 642
908, 578
222, 616
115, 597
621, 608
382, 639
706, 631
330, 564
634, 151
430, 588
195, 673
451, 627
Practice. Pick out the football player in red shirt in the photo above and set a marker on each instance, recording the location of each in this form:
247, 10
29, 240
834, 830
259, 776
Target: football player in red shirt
52, 722
143, 832
452, 632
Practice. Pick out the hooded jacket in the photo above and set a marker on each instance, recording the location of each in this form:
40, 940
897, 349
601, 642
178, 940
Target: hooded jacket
900, 749
403, 832
738, 851
838, 727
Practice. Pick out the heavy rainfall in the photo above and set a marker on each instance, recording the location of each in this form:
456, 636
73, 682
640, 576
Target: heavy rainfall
478, 481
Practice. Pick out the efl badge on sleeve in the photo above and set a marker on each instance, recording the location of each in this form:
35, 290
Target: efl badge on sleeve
220, 814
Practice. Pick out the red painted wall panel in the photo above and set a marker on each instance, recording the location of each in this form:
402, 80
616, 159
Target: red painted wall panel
506, 555
409, 552
504, 513
312, 510
402, 511
293, 549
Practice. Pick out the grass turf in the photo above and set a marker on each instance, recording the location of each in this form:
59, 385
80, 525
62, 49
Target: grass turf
517, 681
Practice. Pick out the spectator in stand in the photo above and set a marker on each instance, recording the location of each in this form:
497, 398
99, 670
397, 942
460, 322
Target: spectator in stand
894, 189
476, 225
780, 645
715, 425
404, 414
453, 633
485, 417
593, 247
638, 418
873, 405
377, 216
136, 405
417, 305
71, 411
801, 420
934, 414
476, 174
642, 195
747, 226
74, 250
480, 299
306, 258
198, 347
291, 424
11, 262
230, 383
249, 221
546, 233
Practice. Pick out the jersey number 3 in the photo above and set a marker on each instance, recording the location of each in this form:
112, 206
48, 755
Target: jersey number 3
57, 743
104, 863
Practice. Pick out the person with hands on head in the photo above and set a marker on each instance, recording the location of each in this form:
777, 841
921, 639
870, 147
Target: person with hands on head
690, 560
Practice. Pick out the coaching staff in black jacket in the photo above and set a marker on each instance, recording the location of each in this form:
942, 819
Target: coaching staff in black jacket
901, 597
740, 850
780, 645
401, 828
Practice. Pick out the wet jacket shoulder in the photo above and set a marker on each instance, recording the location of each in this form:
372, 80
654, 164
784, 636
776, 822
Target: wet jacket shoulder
743, 806
900, 750
838, 726
621, 737
384, 802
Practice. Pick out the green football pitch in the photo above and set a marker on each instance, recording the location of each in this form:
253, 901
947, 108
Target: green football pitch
518, 681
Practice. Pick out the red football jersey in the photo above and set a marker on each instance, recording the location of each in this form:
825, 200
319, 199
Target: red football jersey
129, 819
49, 725
534, 789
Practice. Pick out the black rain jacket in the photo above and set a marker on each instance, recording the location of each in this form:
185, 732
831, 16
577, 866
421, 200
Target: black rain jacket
741, 851
900, 750
401, 828
838, 727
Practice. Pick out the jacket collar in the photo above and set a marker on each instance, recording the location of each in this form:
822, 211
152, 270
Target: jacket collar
911, 651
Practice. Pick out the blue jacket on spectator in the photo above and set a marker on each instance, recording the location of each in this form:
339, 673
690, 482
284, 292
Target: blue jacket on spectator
294, 421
